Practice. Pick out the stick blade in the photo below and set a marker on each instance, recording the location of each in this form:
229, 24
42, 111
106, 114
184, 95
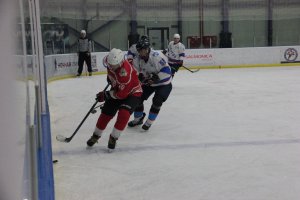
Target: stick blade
61, 138
197, 70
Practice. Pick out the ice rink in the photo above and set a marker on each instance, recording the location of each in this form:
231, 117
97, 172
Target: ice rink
223, 134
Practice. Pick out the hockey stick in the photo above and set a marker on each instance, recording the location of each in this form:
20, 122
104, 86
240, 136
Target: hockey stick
193, 71
61, 138
99, 106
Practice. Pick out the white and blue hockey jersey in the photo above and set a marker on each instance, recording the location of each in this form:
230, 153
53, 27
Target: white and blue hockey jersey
175, 52
132, 52
156, 64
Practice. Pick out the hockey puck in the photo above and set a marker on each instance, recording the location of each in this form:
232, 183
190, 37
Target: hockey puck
55, 161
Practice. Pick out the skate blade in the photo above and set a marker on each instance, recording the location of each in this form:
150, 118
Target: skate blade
88, 148
143, 130
110, 150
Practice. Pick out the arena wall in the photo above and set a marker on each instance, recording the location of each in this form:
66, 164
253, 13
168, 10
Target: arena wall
65, 65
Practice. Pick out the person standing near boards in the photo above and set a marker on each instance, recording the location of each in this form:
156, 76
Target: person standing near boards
84, 53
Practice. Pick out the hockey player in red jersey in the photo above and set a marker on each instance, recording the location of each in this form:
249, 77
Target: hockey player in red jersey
124, 95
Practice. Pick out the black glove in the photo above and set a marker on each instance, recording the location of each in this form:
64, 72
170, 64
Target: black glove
153, 79
108, 80
103, 96
141, 77
164, 51
180, 63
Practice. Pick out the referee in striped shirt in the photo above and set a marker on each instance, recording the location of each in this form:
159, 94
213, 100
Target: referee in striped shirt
84, 53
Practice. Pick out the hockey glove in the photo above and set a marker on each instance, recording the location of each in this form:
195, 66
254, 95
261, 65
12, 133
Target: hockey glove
153, 79
164, 51
108, 80
141, 77
180, 63
103, 96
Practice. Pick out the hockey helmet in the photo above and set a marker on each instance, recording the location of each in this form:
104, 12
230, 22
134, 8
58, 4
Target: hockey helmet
142, 44
83, 32
176, 36
115, 58
144, 37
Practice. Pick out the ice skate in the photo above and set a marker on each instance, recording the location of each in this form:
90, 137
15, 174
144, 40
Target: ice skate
146, 126
111, 143
94, 139
135, 122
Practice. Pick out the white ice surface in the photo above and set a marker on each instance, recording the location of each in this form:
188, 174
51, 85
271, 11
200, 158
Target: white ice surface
230, 134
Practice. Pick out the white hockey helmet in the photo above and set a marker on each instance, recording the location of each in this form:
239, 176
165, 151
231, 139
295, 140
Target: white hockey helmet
176, 36
115, 57
83, 32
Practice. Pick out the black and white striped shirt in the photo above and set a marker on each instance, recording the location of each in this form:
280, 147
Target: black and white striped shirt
84, 45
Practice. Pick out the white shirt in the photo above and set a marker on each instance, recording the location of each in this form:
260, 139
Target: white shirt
175, 52
156, 64
132, 52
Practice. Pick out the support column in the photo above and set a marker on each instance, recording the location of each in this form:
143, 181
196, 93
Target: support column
270, 23
179, 22
133, 36
225, 35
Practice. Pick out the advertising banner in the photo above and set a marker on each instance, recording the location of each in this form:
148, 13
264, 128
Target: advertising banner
66, 64
290, 54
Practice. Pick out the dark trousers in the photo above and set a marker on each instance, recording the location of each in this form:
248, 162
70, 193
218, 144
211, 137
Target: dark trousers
111, 106
174, 67
84, 56
161, 94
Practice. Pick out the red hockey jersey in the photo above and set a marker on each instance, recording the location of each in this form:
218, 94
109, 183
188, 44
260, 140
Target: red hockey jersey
124, 81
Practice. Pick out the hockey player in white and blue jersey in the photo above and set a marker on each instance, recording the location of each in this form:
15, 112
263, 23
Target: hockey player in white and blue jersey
175, 53
156, 77
132, 51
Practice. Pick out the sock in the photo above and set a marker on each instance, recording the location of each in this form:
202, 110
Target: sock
98, 132
116, 133
137, 116
148, 122
152, 116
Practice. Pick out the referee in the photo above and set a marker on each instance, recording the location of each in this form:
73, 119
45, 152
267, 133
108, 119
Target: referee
84, 53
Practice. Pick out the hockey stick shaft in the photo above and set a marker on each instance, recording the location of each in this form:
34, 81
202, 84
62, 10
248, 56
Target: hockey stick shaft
99, 106
86, 116
190, 70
